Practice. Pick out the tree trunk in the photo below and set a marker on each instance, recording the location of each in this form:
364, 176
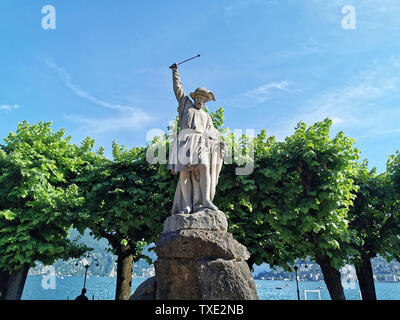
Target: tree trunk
332, 278
365, 278
4, 278
124, 273
250, 263
12, 285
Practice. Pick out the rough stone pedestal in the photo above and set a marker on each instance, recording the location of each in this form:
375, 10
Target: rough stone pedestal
199, 260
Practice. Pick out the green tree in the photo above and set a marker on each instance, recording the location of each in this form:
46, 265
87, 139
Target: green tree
126, 203
374, 218
295, 203
393, 169
243, 199
313, 194
37, 202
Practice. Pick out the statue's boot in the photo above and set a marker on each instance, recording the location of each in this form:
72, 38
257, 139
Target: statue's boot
208, 204
185, 211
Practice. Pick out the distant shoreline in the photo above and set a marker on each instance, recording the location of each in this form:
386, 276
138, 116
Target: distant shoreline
255, 278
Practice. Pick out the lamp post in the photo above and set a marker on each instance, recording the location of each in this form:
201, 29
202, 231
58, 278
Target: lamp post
86, 263
296, 268
297, 282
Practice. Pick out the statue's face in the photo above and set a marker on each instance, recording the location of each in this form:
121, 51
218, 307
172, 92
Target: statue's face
199, 101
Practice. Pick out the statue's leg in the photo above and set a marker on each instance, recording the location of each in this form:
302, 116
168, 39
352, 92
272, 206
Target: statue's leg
177, 199
186, 188
205, 186
197, 201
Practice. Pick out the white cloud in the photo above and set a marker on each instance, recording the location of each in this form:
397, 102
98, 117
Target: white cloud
263, 93
66, 78
127, 117
266, 88
127, 120
9, 107
258, 95
369, 104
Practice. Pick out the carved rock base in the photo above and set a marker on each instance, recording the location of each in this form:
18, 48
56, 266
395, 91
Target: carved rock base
199, 260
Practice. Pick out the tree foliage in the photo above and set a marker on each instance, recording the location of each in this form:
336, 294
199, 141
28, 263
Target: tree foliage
313, 190
295, 203
37, 197
125, 199
375, 215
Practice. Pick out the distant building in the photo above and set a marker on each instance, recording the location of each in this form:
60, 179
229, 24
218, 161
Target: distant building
390, 278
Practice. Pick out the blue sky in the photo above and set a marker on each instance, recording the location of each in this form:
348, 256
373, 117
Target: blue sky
103, 72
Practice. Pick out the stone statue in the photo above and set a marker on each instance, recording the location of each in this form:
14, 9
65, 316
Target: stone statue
197, 152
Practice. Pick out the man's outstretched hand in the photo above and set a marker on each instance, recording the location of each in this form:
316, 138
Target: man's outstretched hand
173, 66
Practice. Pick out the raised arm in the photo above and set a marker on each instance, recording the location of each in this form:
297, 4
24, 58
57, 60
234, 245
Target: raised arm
178, 89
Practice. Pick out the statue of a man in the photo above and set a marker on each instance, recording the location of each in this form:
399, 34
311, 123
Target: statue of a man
197, 152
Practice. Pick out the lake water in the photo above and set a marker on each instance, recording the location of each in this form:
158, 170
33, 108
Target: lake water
104, 289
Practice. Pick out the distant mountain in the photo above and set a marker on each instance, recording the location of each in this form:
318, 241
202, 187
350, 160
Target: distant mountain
261, 268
